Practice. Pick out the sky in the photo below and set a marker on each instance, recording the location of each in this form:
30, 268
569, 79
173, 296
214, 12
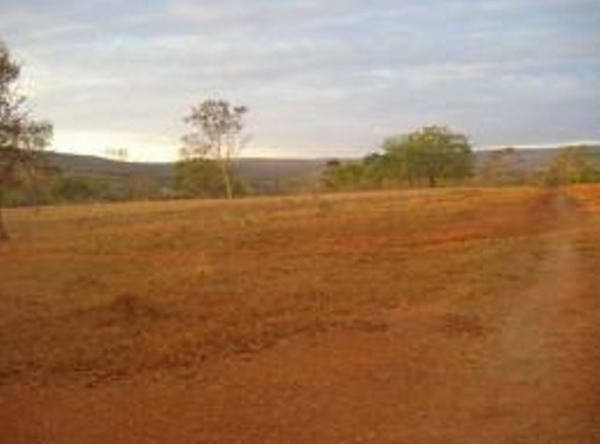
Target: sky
320, 78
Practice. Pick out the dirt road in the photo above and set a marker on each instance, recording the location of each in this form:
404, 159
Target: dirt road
523, 368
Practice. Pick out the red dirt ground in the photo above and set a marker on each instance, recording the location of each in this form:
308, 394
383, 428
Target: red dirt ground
522, 369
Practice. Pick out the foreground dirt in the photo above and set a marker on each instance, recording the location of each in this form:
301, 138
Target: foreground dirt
522, 366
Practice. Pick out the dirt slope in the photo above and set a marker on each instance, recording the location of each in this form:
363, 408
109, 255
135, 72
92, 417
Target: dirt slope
523, 369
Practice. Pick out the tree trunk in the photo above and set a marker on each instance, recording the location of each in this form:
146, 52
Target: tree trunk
3, 231
226, 179
432, 181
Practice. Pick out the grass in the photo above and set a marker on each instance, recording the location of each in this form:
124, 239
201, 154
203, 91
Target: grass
96, 292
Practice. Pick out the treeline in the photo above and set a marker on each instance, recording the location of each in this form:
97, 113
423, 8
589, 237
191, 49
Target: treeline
51, 186
195, 178
430, 156
192, 178
434, 156
404, 161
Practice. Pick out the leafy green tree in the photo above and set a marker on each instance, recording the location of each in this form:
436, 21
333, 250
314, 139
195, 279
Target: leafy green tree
384, 170
344, 176
430, 153
20, 137
36, 189
216, 134
199, 178
72, 189
68, 188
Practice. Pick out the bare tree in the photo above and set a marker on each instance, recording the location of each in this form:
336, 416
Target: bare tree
20, 137
117, 154
216, 134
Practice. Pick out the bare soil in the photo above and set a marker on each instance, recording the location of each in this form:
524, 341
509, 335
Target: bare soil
517, 362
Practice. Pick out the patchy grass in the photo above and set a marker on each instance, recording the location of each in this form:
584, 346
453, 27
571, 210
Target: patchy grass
106, 291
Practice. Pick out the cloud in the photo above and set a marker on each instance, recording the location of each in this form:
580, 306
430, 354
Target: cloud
319, 77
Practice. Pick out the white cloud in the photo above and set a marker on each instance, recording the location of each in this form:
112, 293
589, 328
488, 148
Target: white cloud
141, 146
313, 73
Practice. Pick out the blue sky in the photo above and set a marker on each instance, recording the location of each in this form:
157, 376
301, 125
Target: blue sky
321, 78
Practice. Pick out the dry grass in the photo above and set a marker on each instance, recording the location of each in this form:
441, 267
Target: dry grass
97, 292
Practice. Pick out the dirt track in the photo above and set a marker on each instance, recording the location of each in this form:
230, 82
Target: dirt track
525, 369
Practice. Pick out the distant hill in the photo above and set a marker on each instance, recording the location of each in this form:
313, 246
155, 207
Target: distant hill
83, 165
250, 169
258, 170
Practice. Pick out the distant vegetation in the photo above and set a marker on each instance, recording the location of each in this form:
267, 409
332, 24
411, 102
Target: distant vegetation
573, 165
209, 167
70, 178
567, 165
423, 157
200, 177
434, 156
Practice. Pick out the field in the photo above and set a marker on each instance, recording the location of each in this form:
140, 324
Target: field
426, 316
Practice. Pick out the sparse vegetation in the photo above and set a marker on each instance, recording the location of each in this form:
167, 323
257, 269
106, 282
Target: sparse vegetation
573, 165
424, 290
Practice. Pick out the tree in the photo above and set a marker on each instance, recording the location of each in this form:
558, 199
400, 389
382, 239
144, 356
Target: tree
216, 129
430, 153
198, 178
117, 154
343, 176
76, 189
20, 137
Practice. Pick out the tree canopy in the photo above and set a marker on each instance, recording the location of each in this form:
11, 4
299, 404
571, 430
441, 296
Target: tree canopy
427, 155
215, 134
430, 153
20, 136
573, 164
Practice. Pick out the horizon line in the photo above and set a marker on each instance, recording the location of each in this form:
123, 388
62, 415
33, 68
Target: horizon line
521, 146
